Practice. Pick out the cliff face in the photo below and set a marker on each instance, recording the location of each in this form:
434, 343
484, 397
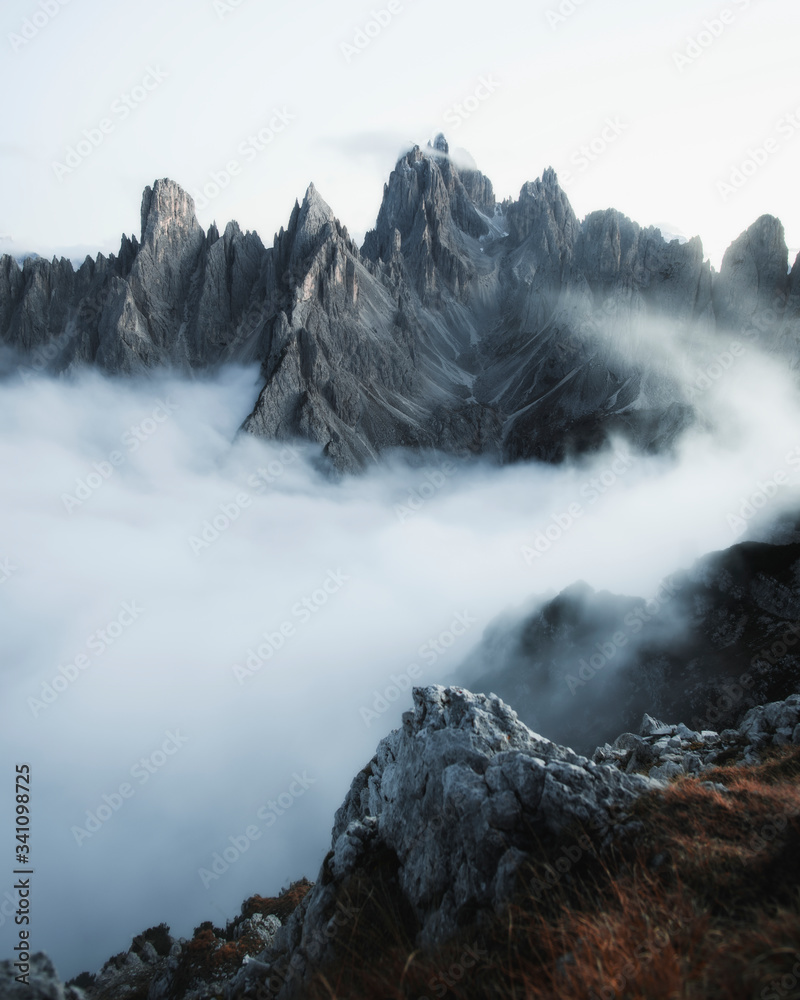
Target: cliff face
514, 330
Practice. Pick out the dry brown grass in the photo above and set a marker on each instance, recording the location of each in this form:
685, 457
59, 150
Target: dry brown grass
279, 906
702, 904
213, 954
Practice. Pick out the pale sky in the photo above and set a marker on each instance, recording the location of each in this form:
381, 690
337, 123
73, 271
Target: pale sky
535, 93
223, 71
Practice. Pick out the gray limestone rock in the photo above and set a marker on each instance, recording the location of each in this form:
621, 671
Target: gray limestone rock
690, 752
453, 795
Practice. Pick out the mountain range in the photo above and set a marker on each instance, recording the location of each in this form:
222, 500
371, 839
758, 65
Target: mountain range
510, 329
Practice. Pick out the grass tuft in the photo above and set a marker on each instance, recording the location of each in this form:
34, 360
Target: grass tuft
701, 903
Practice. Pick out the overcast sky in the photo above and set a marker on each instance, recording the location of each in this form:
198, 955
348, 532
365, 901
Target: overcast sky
693, 91
153, 90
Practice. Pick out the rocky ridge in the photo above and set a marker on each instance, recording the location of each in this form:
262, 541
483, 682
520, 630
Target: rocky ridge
713, 642
664, 751
453, 803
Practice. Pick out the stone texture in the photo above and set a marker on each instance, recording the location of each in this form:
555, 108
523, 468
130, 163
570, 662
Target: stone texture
454, 795
685, 751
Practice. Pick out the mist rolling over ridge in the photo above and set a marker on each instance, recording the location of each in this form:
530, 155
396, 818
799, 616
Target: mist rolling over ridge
265, 590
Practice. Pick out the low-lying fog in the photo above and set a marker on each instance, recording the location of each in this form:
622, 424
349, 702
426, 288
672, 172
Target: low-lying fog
203, 640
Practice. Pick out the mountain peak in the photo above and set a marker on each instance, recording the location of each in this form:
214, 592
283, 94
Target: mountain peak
427, 192
765, 236
754, 276
542, 204
166, 206
457, 326
314, 215
541, 187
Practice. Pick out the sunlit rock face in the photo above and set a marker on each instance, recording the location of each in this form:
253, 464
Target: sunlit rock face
514, 330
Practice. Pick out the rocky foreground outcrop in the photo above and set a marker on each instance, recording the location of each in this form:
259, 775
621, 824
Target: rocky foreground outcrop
452, 798
454, 805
